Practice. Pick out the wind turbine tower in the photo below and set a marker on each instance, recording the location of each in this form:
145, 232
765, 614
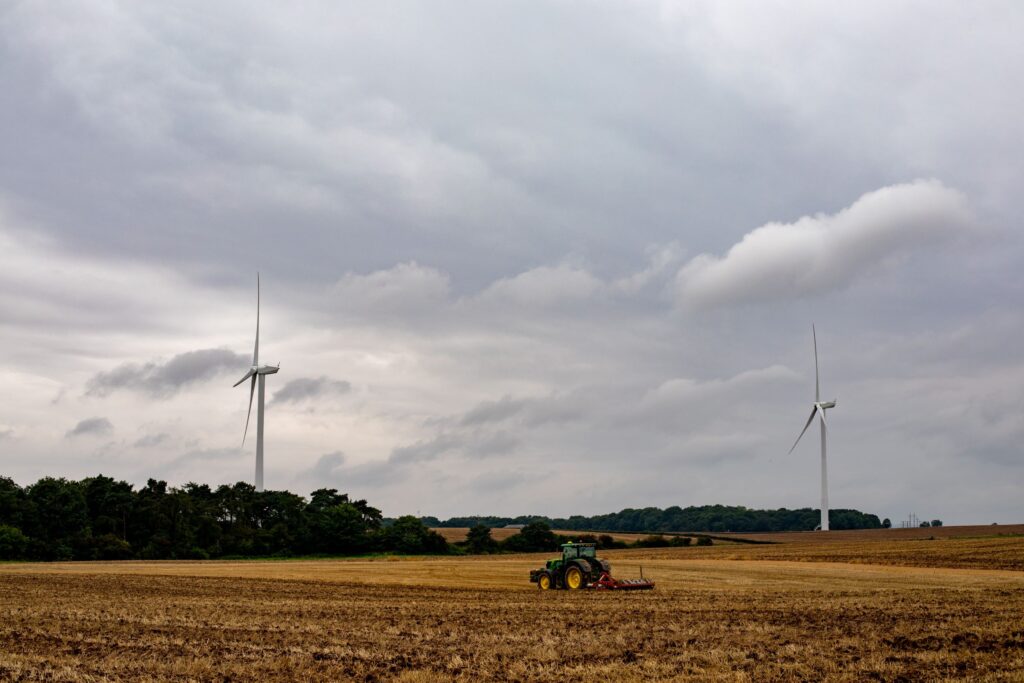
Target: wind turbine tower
259, 372
819, 409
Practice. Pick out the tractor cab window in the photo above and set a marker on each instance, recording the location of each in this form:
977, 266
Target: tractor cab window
571, 552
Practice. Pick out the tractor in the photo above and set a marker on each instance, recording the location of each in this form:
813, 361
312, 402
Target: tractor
579, 567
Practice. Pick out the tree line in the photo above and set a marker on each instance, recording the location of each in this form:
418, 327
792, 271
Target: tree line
703, 518
99, 518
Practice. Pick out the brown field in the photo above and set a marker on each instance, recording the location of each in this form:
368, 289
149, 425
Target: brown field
977, 531
728, 613
456, 534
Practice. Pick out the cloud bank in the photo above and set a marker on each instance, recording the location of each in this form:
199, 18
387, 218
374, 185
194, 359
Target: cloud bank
823, 252
163, 380
93, 426
305, 388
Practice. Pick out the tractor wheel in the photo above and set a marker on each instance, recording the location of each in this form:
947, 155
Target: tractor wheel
573, 578
544, 582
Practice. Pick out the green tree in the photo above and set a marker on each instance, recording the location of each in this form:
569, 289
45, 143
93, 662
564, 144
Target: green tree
111, 547
149, 527
936, 522
59, 526
207, 530
534, 537
283, 522
13, 543
110, 503
409, 535
479, 540
14, 506
340, 529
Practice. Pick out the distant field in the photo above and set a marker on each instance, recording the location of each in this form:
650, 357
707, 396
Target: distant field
883, 534
729, 612
456, 534
966, 553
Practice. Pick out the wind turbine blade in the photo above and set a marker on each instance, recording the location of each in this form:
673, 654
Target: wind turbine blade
824, 422
817, 388
252, 390
809, 421
247, 376
256, 349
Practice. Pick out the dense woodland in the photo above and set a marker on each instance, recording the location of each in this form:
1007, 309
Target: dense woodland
99, 518
706, 518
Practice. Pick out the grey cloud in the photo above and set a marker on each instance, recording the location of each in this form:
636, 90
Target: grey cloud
6, 433
559, 408
532, 412
468, 444
692, 407
331, 471
304, 388
209, 454
499, 443
93, 426
543, 287
406, 289
824, 252
165, 379
327, 467
427, 449
204, 465
152, 440
372, 474
498, 482
493, 411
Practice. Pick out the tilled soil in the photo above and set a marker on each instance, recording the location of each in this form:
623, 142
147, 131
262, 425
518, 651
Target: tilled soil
82, 627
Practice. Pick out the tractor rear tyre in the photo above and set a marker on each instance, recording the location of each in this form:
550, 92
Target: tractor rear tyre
544, 582
573, 578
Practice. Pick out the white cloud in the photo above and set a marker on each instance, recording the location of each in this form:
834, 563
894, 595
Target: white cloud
820, 253
404, 288
543, 287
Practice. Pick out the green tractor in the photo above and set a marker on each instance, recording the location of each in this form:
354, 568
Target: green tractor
579, 567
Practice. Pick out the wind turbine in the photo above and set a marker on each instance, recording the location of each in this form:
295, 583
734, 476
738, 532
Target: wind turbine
260, 372
819, 409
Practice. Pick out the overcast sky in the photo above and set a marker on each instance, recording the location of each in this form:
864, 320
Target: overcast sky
541, 258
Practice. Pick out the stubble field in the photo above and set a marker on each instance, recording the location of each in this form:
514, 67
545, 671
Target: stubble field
717, 614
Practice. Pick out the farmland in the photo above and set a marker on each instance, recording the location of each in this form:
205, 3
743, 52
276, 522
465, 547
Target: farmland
850, 610
456, 534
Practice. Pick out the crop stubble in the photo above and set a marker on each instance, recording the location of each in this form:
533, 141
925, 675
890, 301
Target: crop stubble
477, 619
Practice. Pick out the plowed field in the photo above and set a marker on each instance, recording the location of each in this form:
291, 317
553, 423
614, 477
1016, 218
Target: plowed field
479, 619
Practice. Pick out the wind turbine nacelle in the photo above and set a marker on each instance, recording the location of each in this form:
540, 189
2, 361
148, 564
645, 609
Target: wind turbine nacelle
827, 404
267, 369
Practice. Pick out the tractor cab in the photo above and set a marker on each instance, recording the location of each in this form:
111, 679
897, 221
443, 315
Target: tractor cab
571, 551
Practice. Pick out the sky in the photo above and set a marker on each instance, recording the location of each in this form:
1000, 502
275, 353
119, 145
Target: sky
519, 258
